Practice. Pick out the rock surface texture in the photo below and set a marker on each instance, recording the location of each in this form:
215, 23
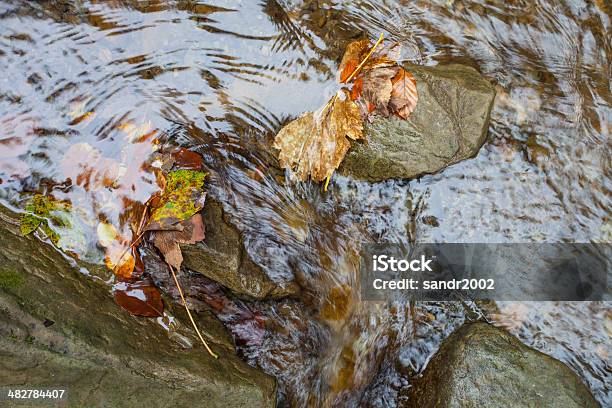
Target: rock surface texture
222, 258
61, 329
448, 125
480, 365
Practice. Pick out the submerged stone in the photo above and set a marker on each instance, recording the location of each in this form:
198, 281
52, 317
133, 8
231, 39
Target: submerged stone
97, 352
480, 365
448, 125
222, 258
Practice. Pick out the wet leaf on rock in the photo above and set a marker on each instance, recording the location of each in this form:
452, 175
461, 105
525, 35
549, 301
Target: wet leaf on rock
183, 197
356, 52
315, 143
377, 88
168, 242
140, 298
186, 159
404, 96
381, 87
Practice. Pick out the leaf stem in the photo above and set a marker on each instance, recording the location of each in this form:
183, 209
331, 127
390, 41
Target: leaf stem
327, 182
195, 326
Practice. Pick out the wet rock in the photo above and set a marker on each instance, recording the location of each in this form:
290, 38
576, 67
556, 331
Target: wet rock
222, 258
480, 365
448, 125
100, 354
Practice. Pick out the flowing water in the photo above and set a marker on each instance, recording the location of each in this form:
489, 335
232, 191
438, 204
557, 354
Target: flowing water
90, 89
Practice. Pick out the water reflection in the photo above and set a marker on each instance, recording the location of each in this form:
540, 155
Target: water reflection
91, 89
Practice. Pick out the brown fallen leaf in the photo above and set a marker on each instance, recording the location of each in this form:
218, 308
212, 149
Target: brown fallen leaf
168, 242
139, 298
315, 143
377, 87
186, 159
404, 95
381, 86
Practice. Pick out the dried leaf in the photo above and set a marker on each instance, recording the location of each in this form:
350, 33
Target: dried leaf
385, 56
315, 143
168, 242
389, 53
139, 298
182, 198
354, 54
377, 89
404, 96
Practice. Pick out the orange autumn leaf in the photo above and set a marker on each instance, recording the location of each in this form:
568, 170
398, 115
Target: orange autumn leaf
118, 255
357, 88
348, 69
353, 55
404, 95
356, 52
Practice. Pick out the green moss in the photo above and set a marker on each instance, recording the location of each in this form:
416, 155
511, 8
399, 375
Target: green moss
10, 279
29, 223
44, 211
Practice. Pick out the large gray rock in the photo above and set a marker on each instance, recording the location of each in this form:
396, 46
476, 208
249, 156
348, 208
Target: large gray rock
61, 329
222, 258
483, 366
449, 124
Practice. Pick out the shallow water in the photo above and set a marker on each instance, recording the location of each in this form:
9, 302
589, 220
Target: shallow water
94, 88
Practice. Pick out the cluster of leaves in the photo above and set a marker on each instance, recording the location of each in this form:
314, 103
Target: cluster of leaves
315, 144
171, 216
312, 145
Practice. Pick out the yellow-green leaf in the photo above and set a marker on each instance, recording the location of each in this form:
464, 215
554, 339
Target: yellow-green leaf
183, 197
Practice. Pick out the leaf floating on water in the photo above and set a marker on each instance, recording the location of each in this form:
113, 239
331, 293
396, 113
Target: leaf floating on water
404, 96
315, 143
139, 298
183, 197
168, 242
